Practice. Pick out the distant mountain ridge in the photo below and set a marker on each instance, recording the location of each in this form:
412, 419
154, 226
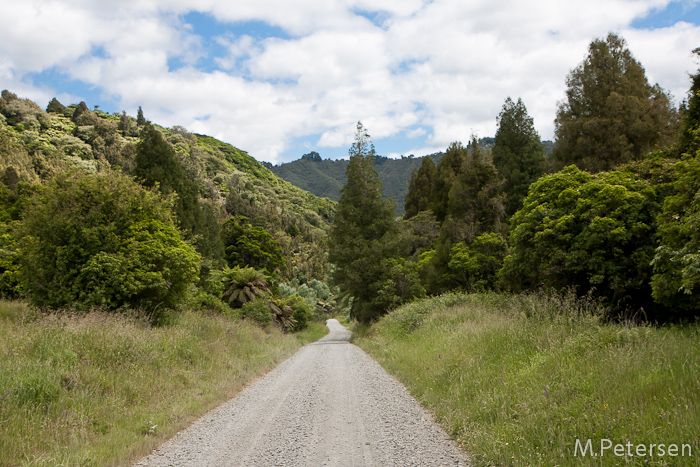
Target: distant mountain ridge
325, 178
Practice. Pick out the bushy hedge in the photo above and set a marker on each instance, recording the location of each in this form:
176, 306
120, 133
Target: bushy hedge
103, 240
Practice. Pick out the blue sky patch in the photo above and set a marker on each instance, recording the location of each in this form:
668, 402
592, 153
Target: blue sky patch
688, 11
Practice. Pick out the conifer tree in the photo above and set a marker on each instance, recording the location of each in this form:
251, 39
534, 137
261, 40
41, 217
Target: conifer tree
689, 141
157, 163
611, 114
55, 107
451, 165
140, 119
362, 233
518, 153
418, 197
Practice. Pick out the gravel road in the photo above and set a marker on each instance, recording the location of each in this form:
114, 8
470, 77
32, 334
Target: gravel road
328, 405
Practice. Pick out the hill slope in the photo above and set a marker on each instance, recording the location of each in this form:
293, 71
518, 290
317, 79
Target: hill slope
36, 144
327, 177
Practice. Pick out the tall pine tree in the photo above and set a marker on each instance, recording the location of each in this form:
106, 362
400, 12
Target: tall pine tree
418, 197
518, 153
363, 232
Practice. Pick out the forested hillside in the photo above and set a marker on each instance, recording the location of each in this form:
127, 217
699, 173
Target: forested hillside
74, 180
325, 178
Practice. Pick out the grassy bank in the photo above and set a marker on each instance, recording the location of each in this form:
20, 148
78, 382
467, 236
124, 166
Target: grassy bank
103, 390
516, 380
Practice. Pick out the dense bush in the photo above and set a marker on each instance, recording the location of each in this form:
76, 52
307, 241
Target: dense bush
591, 231
676, 280
103, 240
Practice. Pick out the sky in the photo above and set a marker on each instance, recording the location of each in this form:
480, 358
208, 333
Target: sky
282, 78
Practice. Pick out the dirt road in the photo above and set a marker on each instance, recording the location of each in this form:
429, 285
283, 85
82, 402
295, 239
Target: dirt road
328, 405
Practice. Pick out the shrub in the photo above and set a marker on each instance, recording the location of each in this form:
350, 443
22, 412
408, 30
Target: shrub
258, 311
103, 240
590, 231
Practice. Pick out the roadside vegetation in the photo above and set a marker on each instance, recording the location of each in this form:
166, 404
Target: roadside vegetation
516, 379
103, 389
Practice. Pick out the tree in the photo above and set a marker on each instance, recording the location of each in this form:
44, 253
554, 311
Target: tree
473, 205
475, 199
450, 166
518, 153
474, 267
593, 232
363, 231
676, 280
140, 119
419, 188
55, 107
689, 141
103, 240
157, 164
611, 114
248, 245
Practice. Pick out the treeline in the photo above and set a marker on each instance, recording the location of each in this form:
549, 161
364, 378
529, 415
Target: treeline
613, 213
114, 212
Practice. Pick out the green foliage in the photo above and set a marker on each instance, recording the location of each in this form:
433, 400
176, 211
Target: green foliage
55, 107
518, 153
689, 140
363, 232
595, 232
419, 188
103, 240
475, 198
517, 379
467, 195
243, 285
292, 312
140, 119
157, 165
258, 311
247, 245
611, 114
239, 158
676, 280
474, 267
400, 284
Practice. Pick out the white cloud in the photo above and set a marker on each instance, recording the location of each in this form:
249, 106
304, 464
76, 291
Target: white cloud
438, 70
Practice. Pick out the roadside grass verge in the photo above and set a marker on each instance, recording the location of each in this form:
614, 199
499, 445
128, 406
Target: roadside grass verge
104, 389
517, 379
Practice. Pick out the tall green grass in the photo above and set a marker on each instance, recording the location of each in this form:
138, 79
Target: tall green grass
517, 379
103, 390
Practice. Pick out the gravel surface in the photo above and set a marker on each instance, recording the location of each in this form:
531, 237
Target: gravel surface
330, 404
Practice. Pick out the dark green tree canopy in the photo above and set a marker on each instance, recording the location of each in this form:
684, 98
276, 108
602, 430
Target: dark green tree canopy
157, 164
55, 107
611, 114
103, 240
419, 188
363, 243
518, 153
451, 165
248, 245
676, 280
689, 141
